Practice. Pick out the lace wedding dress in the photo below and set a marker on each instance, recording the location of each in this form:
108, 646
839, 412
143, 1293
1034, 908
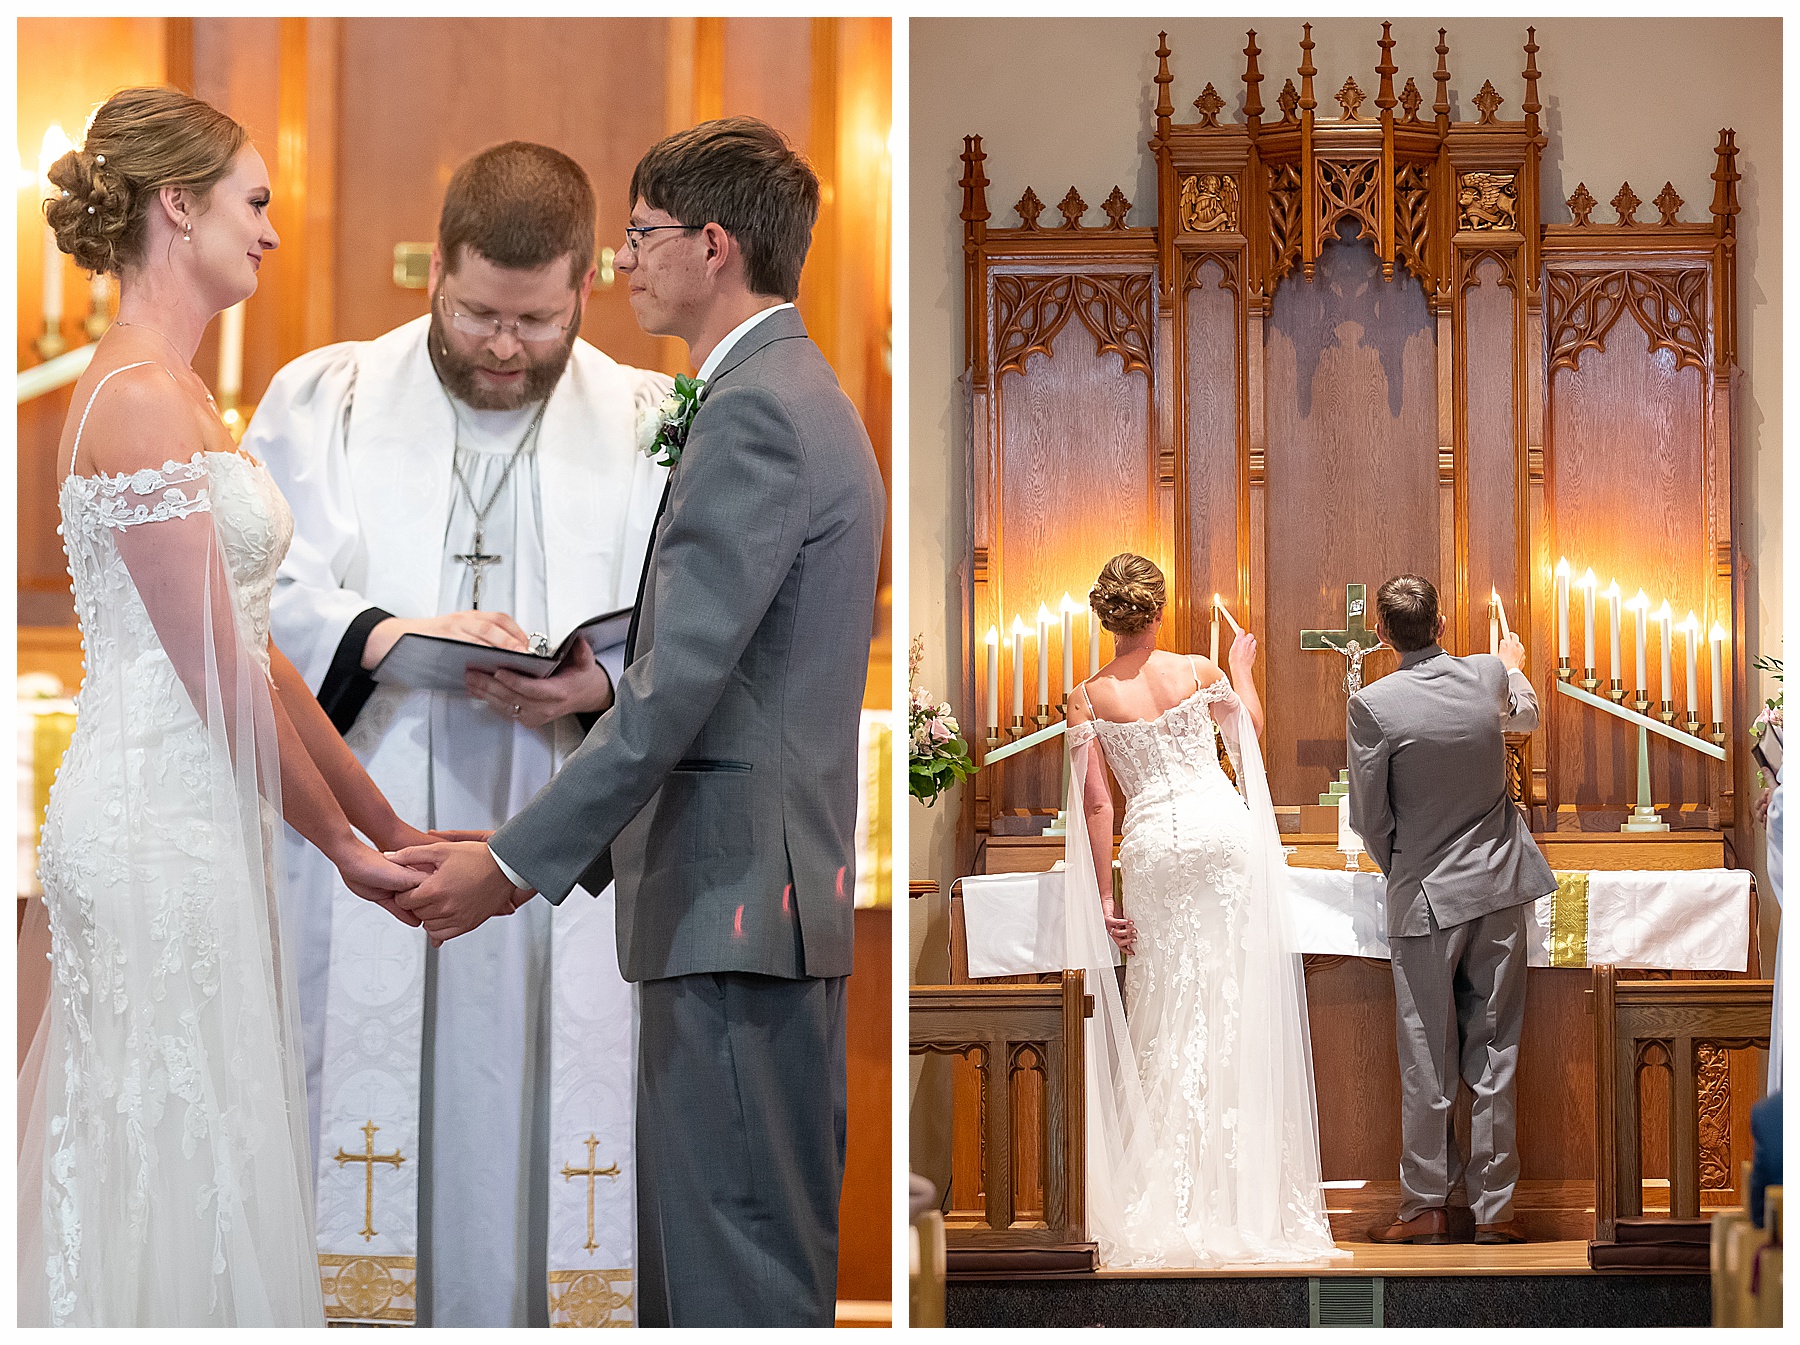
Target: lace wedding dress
1203, 1134
163, 1166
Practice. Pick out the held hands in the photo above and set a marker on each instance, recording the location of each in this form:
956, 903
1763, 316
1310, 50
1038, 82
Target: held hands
461, 887
490, 628
1512, 651
374, 878
584, 687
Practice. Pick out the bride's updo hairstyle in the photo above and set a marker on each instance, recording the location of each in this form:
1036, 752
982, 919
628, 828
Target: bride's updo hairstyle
1129, 594
140, 141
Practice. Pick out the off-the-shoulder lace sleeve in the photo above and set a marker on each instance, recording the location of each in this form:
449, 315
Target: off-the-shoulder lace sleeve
1223, 704
1082, 734
150, 495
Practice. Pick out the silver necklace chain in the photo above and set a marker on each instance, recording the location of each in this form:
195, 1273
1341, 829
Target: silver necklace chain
476, 559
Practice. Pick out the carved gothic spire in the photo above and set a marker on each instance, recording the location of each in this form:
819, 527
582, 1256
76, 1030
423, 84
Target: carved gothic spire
1253, 108
1307, 71
974, 184
1442, 106
1164, 108
1384, 99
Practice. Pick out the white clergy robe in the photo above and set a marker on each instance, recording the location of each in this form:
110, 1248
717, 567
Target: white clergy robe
465, 1059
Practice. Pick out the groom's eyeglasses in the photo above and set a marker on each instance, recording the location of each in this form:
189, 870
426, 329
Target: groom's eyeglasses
634, 234
525, 329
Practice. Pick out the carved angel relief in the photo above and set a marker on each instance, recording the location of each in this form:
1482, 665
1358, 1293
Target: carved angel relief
1029, 311
1487, 201
1209, 203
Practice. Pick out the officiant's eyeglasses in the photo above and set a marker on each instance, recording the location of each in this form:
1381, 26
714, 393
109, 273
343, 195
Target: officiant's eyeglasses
634, 234
525, 329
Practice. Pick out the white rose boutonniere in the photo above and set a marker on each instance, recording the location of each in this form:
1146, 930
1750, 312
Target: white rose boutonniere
662, 433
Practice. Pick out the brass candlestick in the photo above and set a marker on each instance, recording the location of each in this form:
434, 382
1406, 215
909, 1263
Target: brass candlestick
1017, 727
51, 343
1563, 671
1042, 717
1640, 701
1718, 733
1692, 723
1665, 711
1588, 680
1616, 689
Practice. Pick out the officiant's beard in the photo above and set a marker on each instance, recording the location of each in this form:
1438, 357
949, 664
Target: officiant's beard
456, 371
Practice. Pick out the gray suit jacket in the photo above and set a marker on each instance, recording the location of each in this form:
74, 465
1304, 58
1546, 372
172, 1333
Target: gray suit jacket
723, 779
1428, 789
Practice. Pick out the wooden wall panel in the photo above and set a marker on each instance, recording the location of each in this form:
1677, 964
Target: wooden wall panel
1212, 381
1082, 423
768, 74
1491, 457
421, 95
1351, 367
1627, 462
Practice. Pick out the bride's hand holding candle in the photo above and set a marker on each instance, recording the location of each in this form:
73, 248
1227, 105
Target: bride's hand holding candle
1243, 662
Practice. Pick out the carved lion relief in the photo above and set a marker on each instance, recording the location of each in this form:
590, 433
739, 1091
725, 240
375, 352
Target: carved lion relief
1487, 201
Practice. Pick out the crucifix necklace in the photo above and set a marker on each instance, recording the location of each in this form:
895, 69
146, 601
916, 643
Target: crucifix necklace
475, 558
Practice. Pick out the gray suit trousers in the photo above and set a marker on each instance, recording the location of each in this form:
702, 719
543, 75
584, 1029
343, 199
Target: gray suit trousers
1460, 996
741, 1115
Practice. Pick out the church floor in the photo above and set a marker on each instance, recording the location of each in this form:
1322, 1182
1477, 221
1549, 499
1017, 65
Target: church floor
1534, 1285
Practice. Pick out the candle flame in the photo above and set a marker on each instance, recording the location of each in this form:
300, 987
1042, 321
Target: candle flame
1043, 615
1665, 613
1018, 627
1587, 580
1068, 604
1614, 592
1641, 603
993, 635
56, 144
1562, 568
1691, 626
1717, 634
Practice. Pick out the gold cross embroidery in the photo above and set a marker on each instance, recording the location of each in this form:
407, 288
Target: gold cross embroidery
369, 1157
590, 1172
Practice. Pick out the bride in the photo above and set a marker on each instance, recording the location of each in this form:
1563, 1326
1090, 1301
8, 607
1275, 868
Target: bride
1202, 1134
164, 1176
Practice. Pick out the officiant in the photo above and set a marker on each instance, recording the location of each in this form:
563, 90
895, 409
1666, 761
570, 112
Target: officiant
472, 474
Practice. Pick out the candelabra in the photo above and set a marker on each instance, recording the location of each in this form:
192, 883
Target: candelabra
1563, 671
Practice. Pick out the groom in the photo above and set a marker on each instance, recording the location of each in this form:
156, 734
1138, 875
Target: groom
720, 789
1428, 797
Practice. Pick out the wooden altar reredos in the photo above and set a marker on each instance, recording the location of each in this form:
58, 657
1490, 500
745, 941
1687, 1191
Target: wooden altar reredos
1487, 392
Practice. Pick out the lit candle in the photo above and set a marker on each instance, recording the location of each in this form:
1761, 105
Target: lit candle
993, 682
1587, 616
1068, 645
1493, 625
1613, 596
1043, 655
1212, 649
1018, 634
55, 145
1690, 637
1499, 606
1639, 606
1093, 642
1718, 674
1562, 609
231, 354
1667, 619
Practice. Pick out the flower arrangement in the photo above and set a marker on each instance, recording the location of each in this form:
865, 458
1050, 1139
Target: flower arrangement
663, 433
1766, 730
937, 756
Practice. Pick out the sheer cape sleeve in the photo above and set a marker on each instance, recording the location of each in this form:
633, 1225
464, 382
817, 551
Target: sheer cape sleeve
160, 867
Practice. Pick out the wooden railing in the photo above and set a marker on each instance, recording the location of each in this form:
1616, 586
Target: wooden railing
1640, 1024
1027, 1045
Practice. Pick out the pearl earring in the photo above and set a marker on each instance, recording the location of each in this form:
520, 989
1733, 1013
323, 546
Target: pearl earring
187, 231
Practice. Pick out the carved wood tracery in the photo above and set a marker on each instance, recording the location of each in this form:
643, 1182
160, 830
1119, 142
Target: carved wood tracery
1029, 312
1670, 305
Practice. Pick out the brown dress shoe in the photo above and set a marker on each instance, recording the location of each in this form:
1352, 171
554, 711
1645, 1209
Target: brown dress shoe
1510, 1231
1432, 1228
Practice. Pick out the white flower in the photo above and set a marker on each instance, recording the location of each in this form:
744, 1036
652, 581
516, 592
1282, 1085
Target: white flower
670, 408
649, 425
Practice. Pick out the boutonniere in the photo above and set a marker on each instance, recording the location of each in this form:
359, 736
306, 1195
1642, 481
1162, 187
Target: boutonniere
663, 432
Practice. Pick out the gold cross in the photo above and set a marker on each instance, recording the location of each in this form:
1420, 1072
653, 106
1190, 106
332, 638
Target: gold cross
1356, 630
590, 1172
371, 1158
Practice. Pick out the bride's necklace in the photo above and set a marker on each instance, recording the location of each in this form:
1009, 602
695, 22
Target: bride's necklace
185, 363
475, 558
